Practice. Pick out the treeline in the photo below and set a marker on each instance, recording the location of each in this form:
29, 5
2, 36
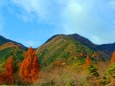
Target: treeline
27, 71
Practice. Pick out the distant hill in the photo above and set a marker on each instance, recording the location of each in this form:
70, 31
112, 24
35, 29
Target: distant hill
4, 40
10, 48
104, 49
59, 50
67, 49
83, 40
60, 57
62, 50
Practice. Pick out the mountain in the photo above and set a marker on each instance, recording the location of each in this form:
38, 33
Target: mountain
4, 40
83, 40
59, 50
10, 48
71, 49
79, 38
62, 50
104, 50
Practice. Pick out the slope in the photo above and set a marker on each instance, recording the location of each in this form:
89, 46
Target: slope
104, 50
10, 48
62, 50
4, 40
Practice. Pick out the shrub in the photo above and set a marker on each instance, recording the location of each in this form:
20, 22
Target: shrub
93, 70
69, 83
111, 70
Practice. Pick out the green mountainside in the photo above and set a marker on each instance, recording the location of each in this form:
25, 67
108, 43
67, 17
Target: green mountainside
59, 50
65, 60
10, 48
62, 50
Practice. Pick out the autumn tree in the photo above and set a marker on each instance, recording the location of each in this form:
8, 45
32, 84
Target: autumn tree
8, 76
95, 54
93, 70
30, 67
113, 58
88, 61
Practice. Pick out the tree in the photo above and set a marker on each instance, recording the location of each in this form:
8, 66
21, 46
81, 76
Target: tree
113, 58
93, 70
88, 61
30, 67
8, 76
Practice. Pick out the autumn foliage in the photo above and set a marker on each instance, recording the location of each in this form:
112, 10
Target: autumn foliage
113, 58
29, 68
8, 76
88, 61
95, 54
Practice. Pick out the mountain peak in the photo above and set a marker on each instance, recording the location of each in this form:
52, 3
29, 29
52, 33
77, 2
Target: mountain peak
83, 40
76, 37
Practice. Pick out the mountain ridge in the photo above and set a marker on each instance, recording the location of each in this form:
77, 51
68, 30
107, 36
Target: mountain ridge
62, 50
4, 40
102, 48
10, 48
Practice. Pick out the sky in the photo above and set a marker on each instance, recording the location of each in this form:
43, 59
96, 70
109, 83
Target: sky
32, 22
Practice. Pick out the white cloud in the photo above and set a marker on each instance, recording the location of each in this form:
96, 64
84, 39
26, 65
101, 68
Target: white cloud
90, 18
30, 7
39, 10
75, 7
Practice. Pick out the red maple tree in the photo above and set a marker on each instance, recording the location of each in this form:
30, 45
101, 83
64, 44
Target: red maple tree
30, 67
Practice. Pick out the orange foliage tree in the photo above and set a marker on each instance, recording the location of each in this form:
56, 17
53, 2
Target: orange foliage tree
95, 54
88, 61
8, 76
113, 58
30, 67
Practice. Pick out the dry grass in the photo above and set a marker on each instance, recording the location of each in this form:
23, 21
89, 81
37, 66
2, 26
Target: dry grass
68, 77
61, 77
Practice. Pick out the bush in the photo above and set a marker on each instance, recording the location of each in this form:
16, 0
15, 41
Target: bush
69, 83
110, 75
93, 70
111, 70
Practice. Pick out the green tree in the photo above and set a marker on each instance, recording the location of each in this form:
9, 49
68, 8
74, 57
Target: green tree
93, 70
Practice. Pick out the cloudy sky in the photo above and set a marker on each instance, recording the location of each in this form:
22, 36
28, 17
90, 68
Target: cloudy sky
32, 22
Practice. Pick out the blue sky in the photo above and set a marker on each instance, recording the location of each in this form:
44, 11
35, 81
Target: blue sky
32, 22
